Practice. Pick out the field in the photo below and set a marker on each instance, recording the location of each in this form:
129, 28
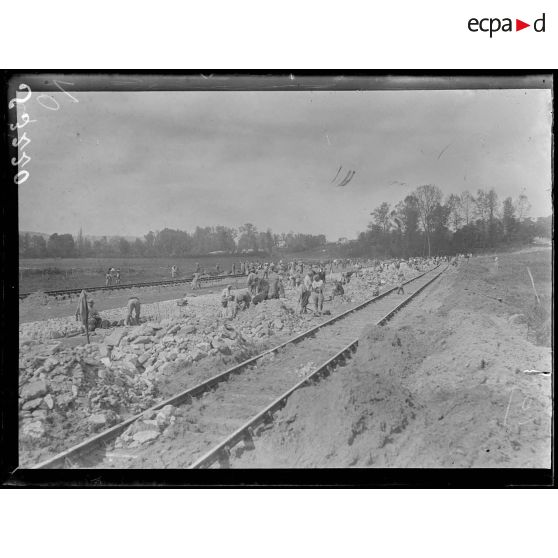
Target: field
71, 273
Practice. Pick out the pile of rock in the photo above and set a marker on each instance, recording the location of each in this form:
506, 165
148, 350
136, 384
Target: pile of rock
270, 317
74, 385
147, 429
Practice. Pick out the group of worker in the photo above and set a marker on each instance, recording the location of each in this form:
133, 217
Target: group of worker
92, 318
265, 281
112, 277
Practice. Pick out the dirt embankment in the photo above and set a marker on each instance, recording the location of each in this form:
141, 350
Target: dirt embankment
443, 386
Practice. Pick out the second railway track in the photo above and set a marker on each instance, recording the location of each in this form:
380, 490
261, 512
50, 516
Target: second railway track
220, 412
209, 281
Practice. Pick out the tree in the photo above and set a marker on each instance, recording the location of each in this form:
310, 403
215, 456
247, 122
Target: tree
38, 246
428, 197
61, 245
24, 245
508, 217
149, 246
453, 204
381, 216
523, 207
481, 205
492, 208
248, 239
79, 243
466, 201
124, 247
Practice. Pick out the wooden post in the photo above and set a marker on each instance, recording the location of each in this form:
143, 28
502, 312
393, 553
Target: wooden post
534, 289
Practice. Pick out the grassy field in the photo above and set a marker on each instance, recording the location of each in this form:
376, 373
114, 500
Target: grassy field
71, 273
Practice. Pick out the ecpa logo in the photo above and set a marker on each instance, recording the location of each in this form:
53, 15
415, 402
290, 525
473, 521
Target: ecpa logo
494, 24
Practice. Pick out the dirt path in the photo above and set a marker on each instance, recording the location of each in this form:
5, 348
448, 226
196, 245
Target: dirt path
442, 386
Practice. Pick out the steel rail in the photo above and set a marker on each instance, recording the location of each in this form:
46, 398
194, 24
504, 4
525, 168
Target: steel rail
59, 460
135, 285
221, 453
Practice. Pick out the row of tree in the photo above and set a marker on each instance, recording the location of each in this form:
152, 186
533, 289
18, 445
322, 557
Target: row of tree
425, 224
169, 243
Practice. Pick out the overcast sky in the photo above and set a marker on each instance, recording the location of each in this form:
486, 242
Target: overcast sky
123, 163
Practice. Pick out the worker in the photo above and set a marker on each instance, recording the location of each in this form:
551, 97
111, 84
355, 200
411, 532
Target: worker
400, 278
304, 297
108, 278
226, 297
118, 277
93, 318
233, 269
317, 293
196, 281
274, 286
134, 307
338, 289
281, 288
243, 299
376, 289
174, 271
263, 288
252, 282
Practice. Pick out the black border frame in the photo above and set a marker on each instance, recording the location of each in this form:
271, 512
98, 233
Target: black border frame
276, 80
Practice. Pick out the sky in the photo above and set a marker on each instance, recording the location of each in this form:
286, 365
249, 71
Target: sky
125, 163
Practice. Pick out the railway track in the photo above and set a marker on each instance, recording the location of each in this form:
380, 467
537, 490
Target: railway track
169, 282
226, 409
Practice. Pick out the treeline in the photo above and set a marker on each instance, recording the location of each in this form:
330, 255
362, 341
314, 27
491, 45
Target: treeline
424, 224
169, 243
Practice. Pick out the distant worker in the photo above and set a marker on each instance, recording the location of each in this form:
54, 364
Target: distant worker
174, 271
338, 289
376, 289
318, 293
274, 286
196, 281
118, 277
134, 307
400, 278
198, 267
108, 278
252, 282
228, 301
304, 297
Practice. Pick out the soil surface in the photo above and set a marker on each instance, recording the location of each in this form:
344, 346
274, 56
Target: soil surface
460, 379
